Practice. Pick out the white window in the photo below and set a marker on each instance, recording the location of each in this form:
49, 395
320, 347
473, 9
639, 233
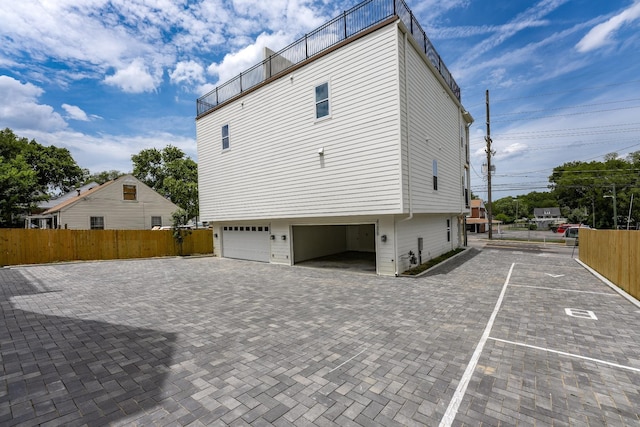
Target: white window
435, 174
322, 100
225, 137
97, 222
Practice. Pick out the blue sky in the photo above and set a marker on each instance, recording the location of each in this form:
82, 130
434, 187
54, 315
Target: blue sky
106, 79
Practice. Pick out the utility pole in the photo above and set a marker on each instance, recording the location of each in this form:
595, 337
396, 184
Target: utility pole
489, 154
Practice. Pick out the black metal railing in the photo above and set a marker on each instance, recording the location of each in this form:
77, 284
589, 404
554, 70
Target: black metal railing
351, 22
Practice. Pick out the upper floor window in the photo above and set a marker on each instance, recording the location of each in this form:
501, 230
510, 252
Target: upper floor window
225, 137
435, 174
129, 192
156, 221
322, 100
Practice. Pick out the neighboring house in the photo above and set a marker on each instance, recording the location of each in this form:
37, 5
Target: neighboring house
351, 139
37, 220
477, 221
125, 203
545, 217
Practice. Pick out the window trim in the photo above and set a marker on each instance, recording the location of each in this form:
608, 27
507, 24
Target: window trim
323, 100
125, 192
434, 172
225, 137
156, 217
91, 223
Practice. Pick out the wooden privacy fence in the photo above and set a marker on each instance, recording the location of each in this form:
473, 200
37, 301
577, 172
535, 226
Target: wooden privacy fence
615, 254
28, 246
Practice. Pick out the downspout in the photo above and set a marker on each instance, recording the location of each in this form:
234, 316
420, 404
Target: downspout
406, 95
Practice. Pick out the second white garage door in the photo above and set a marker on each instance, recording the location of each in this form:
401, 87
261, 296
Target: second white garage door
246, 242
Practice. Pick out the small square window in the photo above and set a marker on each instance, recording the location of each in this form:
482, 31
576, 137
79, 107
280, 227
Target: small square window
259, 228
97, 222
156, 221
129, 192
225, 137
266, 229
322, 100
241, 228
253, 229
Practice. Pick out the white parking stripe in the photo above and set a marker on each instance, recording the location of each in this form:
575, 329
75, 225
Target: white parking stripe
564, 290
456, 400
562, 353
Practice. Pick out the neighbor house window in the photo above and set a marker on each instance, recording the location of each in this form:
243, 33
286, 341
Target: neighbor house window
448, 230
129, 192
156, 221
322, 100
97, 222
225, 137
435, 174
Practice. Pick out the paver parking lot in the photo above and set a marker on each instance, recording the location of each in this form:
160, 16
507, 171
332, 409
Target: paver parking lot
208, 341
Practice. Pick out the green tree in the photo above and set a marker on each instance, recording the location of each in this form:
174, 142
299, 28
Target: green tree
104, 176
30, 172
180, 218
171, 174
595, 187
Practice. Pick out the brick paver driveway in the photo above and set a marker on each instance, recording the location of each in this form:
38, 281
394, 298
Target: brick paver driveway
207, 341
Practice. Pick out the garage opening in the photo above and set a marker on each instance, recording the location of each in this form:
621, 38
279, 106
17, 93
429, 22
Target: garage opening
351, 246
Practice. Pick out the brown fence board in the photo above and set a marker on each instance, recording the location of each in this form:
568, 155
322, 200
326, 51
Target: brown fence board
615, 254
29, 246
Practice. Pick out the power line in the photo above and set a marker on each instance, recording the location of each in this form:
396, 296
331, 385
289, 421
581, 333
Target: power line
565, 107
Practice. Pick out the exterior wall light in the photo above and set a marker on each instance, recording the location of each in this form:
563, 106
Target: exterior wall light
383, 237
215, 235
284, 237
273, 237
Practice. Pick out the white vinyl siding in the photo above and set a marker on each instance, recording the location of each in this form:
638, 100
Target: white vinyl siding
275, 171
432, 229
433, 128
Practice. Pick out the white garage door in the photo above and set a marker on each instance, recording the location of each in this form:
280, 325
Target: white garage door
246, 242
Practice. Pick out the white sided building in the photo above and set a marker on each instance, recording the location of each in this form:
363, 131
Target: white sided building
352, 139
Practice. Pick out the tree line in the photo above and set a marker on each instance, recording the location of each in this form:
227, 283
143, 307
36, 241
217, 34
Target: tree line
31, 173
585, 192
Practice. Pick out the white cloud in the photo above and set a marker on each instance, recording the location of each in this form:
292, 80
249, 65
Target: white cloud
75, 113
189, 72
237, 62
134, 78
107, 152
20, 108
602, 34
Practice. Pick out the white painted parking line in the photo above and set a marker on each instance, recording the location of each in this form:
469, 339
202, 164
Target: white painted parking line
456, 400
347, 361
564, 290
563, 353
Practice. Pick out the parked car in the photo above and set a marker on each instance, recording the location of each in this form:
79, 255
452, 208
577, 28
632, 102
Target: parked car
562, 227
572, 232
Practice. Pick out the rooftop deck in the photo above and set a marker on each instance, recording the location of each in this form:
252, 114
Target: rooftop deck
341, 28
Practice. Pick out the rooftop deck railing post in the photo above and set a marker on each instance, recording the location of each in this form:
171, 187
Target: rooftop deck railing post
344, 19
306, 46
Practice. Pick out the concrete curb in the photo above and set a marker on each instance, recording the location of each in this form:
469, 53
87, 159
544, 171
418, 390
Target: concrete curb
430, 269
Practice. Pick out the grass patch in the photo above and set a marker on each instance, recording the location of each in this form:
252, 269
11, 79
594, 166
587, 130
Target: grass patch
522, 239
432, 262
